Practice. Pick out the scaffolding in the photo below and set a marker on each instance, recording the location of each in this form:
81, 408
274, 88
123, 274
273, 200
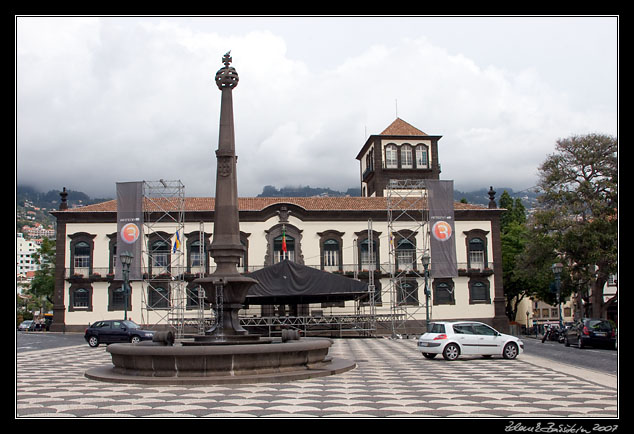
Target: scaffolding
165, 293
408, 232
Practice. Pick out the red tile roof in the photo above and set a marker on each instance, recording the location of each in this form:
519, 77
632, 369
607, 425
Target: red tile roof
401, 128
260, 203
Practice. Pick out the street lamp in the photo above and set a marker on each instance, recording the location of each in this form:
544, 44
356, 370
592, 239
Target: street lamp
425, 261
126, 260
557, 268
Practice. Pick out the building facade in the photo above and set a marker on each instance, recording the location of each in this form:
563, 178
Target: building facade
345, 235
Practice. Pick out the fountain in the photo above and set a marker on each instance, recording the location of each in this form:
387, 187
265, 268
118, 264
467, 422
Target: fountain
227, 353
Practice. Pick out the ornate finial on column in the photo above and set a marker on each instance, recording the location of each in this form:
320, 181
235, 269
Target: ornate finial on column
227, 77
491, 194
63, 194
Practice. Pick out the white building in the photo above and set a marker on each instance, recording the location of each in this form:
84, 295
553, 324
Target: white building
24, 259
328, 233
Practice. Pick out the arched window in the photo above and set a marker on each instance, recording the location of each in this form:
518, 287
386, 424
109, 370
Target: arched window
117, 298
81, 298
479, 292
443, 291
407, 291
278, 248
422, 160
406, 157
160, 253
476, 253
391, 157
331, 254
81, 257
368, 255
158, 297
405, 254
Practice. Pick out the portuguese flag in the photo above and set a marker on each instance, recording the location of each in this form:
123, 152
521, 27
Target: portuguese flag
284, 240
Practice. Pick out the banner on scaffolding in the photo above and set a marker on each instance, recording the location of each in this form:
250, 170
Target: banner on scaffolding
442, 228
129, 227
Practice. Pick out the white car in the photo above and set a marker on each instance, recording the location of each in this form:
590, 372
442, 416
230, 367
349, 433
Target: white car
452, 339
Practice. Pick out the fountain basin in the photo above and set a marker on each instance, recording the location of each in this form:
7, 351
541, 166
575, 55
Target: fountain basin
218, 364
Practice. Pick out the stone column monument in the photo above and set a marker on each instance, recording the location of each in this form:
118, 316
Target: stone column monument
226, 283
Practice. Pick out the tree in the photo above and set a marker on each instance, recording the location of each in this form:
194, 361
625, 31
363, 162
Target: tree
513, 238
43, 283
580, 198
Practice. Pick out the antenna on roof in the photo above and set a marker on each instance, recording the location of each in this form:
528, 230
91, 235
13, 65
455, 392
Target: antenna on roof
396, 106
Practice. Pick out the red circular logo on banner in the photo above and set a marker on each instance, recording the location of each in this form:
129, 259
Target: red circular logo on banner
441, 231
130, 233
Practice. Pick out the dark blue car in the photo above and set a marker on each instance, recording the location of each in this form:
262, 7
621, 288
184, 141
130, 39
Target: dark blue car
591, 332
111, 331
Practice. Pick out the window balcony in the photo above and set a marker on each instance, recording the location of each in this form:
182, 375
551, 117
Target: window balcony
466, 269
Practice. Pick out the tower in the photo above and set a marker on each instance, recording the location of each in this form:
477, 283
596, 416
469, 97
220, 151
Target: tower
226, 288
400, 152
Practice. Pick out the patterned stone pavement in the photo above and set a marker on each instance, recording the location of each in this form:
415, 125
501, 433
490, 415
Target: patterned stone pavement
392, 379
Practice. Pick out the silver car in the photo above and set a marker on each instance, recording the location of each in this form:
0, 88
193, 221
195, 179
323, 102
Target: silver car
452, 339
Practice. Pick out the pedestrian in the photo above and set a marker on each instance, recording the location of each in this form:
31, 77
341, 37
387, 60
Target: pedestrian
547, 329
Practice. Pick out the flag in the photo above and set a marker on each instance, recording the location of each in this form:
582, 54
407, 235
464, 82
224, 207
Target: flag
177, 243
284, 240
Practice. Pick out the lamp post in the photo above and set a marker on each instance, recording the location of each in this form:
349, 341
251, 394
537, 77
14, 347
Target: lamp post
557, 268
126, 260
425, 261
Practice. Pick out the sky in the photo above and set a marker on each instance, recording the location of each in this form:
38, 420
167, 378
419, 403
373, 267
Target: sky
101, 100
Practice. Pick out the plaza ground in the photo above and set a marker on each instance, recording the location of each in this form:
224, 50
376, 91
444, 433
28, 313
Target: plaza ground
391, 379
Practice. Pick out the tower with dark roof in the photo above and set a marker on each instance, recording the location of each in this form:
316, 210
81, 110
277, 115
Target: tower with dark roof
401, 151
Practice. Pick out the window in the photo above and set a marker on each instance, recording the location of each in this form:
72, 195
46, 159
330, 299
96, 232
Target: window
391, 158
405, 255
331, 254
279, 254
81, 258
476, 254
368, 255
421, 157
160, 252
479, 292
407, 292
437, 328
481, 329
81, 298
195, 255
463, 329
443, 291
194, 296
158, 297
117, 301
406, 157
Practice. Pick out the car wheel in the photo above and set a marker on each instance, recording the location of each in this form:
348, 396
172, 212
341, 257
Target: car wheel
135, 339
510, 351
93, 341
451, 352
429, 355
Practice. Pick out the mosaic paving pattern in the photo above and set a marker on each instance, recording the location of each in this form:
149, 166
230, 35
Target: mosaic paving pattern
392, 379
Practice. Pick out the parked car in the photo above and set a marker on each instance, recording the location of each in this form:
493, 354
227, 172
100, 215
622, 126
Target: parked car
110, 331
591, 332
452, 339
26, 325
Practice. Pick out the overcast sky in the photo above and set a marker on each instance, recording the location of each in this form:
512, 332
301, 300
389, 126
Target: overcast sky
107, 99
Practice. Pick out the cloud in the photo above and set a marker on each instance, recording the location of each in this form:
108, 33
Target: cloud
107, 100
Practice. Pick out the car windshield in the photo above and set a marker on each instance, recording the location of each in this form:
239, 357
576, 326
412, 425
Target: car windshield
131, 325
599, 325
